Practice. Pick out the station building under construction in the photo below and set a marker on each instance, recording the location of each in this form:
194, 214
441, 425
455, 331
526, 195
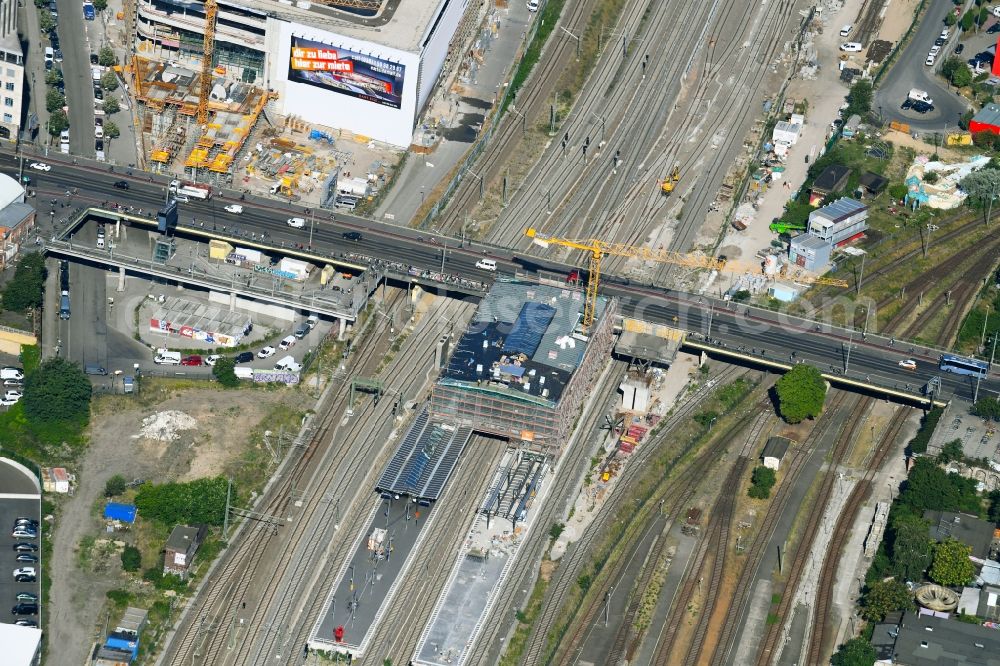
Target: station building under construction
523, 367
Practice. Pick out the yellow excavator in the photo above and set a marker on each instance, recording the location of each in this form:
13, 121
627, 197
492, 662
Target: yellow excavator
668, 183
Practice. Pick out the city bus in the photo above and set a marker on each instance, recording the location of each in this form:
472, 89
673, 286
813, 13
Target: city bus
964, 366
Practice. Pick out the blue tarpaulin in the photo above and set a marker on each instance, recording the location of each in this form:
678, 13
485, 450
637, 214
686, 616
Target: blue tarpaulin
529, 327
122, 512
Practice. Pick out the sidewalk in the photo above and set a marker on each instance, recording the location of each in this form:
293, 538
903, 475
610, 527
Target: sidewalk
107, 30
463, 118
34, 70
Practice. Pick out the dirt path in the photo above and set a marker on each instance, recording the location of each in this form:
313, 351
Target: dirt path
225, 420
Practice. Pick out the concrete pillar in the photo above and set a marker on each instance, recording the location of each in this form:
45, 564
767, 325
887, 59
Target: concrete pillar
121, 278
232, 301
343, 329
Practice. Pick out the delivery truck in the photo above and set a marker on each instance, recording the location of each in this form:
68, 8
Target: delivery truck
194, 190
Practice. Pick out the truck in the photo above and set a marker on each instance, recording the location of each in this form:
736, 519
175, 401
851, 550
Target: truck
918, 95
196, 190
64, 305
88, 11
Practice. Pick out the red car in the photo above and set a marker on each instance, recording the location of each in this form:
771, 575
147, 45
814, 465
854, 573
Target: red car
191, 360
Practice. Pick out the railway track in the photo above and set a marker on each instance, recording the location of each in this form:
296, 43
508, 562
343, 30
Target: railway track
822, 632
576, 554
314, 530
735, 614
711, 548
674, 503
216, 605
841, 448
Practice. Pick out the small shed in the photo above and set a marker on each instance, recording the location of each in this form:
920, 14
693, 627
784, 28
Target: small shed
774, 451
55, 480
810, 251
182, 544
872, 183
833, 179
851, 126
786, 133
122, 513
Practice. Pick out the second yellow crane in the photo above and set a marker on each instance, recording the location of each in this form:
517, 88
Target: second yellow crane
208, 47
596, 250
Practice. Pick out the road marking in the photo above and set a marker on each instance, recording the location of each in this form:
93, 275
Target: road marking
18, 496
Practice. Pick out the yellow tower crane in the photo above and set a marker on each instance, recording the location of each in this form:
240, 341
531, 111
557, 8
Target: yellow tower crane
208, 48
598, 248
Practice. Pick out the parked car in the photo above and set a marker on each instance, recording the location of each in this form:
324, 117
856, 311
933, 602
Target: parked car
532, 5
930, 61
94, 59
846, 30
961, 46
25, 622
938, 42
13, 395
25, 547
27, 557
287, 342
244, 357
24, 533
266, 352
851, 47
193, 359
27, 597
212, 358
24, 609
302, 331
25, 571
27, 521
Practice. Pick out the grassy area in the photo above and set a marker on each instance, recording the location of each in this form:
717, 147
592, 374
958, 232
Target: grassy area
635, 508
254, 467
546, 21
985, 311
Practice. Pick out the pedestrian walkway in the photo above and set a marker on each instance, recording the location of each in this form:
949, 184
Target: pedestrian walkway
462, 117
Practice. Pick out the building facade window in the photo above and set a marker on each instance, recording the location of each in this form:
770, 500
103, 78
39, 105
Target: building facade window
10, 73
7, 118
8, 101
9, 86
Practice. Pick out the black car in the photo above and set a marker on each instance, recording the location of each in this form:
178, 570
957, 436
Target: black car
49, 65
27, 557
352, 235
993, 29
93, 59
938, 42
25, 547
24, 578
24, 609
961, 47
22, 520
244, 357
98, 94
121, 185
922, 107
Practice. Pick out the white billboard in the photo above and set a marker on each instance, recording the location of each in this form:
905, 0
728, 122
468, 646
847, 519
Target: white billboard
337, 81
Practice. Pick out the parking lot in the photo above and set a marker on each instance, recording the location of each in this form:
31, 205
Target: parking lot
980, 437
21, 498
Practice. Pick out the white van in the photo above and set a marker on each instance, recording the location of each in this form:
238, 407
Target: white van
487, 264
167, 357
919, 96
11, 373
287, 364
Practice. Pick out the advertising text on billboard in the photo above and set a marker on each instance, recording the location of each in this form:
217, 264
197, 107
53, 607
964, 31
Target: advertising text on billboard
347, 72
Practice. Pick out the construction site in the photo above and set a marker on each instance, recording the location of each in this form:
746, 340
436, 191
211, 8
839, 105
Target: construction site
213, 123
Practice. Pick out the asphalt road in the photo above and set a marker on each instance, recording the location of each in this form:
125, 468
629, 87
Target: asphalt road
760, 330
910, 72
76, 75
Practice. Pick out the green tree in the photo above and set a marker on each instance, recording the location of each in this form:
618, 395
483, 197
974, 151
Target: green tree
111, 105
897, 191
194, 502
58, 392
46, 21
952, 65
115, 486
994, 510
968, 20
106, 57
111, 130
931, 177
981, 186
54, 100
109, 80
100, 5
58, 122
53, 76
27, 288
761, 482
952, 565
961, 77
910, 546
224, 372
131, 558
855, 652
884, 597
859, 99
951, 452
928, 487
801, 392
950, 19
987, 408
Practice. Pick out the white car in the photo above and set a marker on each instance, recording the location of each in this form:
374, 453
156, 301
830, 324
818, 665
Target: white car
210, 360
24, 571
40, 166
5, 402
296, 222
908, 364
934, 51
287, 342
851, 47
532, 5
235, 209
13, 395
266, 352
930, 61
846, 30
98, 132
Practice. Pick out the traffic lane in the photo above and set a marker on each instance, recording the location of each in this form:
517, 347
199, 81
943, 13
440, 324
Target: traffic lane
910, 72
76, 74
